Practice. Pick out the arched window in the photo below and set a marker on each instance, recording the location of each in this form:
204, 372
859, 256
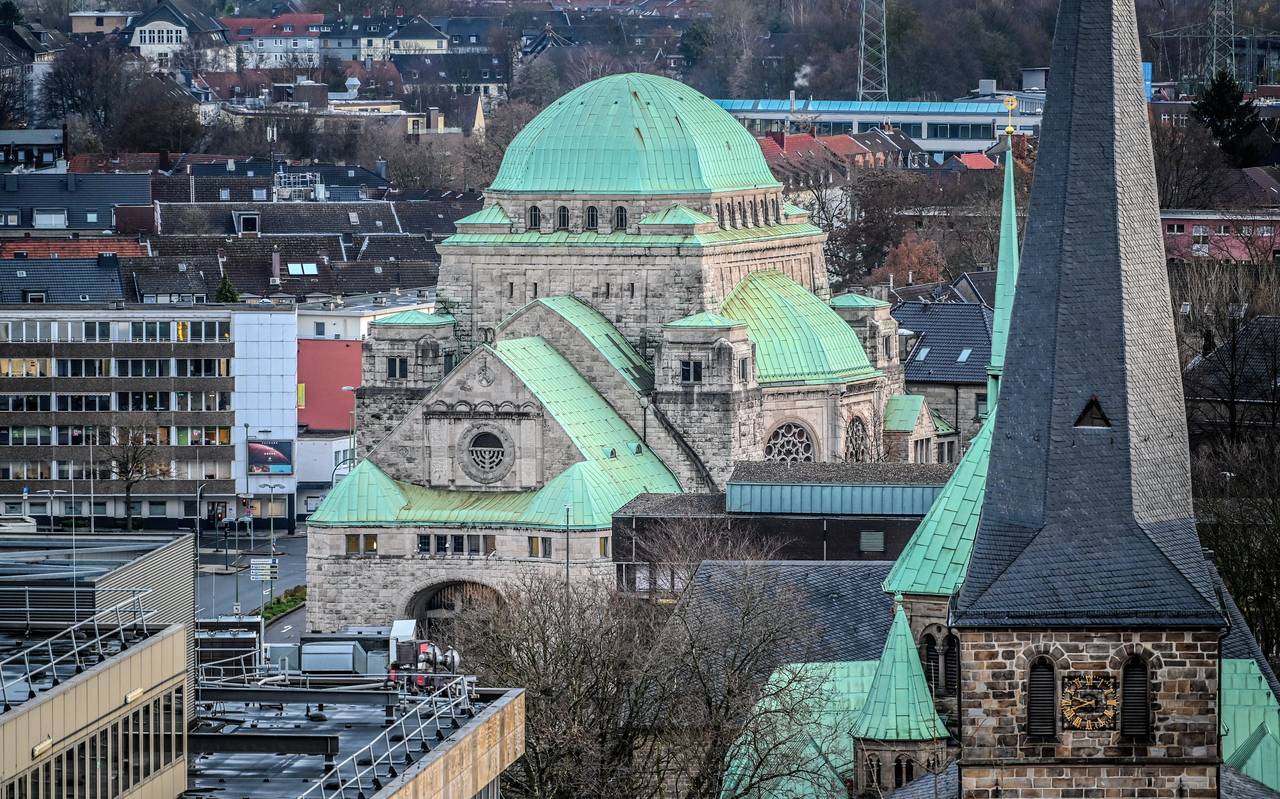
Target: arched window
620, 219
790, 443
904, 771
929, 659
562, 218
951, 665
857, 445
535, 217
593, 218
873, 772
755, 213
1135, 699
1041, 700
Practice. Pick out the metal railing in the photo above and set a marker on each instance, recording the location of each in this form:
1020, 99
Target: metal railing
242, 669
86, 640
418, 729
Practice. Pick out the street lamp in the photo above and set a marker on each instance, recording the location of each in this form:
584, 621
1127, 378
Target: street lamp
271, 514
351, 438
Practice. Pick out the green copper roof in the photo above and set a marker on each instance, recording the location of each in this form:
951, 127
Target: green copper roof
705, 319
414, 319
490, 215
823, 756
899, 706
940, 423
1006, 277
791, 208
798, 337
561, 238
677, 215
853, 300
1249, 715
616, 466
901, 412
633, 134
936, 558
602, 335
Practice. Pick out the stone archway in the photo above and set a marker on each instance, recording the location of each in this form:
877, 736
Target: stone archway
435, 604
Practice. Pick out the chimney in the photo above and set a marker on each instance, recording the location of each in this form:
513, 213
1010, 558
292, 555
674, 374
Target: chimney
987, 87
108, 260
367, 12
275, 264
71, 181
163, 162
380, 168
231, 165
222, 260
791, 100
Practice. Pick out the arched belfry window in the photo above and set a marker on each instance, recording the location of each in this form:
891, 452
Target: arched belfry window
593, 218
562, 218
872, 772
929, 659
620, 219
1041, 700
904, 771
535, 217
1135, 699
951, 665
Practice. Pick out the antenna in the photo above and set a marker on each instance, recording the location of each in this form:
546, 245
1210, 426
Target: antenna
873, 53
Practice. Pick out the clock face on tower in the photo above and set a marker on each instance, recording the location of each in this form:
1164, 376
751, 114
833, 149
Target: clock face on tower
1089, 701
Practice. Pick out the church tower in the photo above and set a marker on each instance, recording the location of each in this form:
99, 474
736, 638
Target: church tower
1088, 620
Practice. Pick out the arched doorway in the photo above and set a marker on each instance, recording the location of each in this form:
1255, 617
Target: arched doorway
434, 605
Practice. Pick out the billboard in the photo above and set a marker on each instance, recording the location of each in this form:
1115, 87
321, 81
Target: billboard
270, 457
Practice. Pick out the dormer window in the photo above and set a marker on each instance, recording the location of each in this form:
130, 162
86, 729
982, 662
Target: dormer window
50, 218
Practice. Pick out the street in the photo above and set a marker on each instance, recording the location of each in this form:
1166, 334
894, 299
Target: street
225, 574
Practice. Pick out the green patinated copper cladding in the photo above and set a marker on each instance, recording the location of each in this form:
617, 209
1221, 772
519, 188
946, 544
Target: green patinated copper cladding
562, 238
799, 339
1249, 716
490, 215
941, 424
823, 757
615, 466
791, 209
677, 215
899, 706
1006, 277
414, 319
853, 300
901, 412
936, 558
633, 134
706, 319
602, 335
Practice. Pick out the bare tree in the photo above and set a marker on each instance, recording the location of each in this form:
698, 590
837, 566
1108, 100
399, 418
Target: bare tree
1191, 171
136, 457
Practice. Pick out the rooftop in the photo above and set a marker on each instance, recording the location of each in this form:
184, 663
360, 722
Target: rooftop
934, 474
953, 344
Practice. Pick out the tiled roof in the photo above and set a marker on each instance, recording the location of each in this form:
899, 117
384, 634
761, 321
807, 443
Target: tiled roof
279, 217
61, 280
673, 506
901, 412
658, 137
799, 339
954, 344
601, 334
936, 558
869, 474
1242, 368
899, 704
979, 287
843, 145
71, 248
1234, 785
393, 246
933, 292
973, 161
706, 319
243, 29
84, 163
143, 276
615, 466
436, 217
945, 785
78, 194
414, 318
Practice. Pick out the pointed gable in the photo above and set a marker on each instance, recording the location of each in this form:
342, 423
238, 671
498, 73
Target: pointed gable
899, 706
1090, 525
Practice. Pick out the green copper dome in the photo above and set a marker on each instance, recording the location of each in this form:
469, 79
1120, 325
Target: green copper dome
633, 134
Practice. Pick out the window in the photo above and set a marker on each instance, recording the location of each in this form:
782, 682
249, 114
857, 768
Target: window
49, 218
540, 547
951, 665
370, 544
562, 218
155, 508
487, 452
871, 541
319, 329
353, 544
1135, 699
1200, 234
964, 355
922, 353
593, 218
744, 369
904, 771
224, 195
691, 371
604, 546
1223, 230
872, 772
535, 218
298, 268
424, 544
1041, 701
620, 219
397, 368
91, 216
980, 404
260, 195
790, 443
929, 659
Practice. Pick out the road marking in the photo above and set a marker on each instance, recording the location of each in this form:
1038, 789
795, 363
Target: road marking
286, 628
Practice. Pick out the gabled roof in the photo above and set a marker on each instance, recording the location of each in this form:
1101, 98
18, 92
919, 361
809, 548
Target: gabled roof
852, 299
899, 704
241, 29
798, 337
969, 161
677, 215
901, 412
489, 215
418, 28
979, 287
1250, 719
954, 344
1242, 368
61, 280
706, 319
601, 334
414, 318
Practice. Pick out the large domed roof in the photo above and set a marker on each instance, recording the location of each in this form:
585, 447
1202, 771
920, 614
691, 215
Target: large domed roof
633, 134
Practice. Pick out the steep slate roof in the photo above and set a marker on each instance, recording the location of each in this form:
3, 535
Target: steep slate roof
1234, 785
798, 338
633, 134
946, 330
615, 466
601, 334
1242, 368
935, 786
977, 287
143, 276
434, 216
1091, 525
899, 705
214, 218
62, 279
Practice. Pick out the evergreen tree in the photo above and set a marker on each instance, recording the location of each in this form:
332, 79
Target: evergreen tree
226, 291
1232, 119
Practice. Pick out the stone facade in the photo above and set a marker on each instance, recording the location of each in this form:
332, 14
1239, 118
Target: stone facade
962, 405
1178, 759
883, 766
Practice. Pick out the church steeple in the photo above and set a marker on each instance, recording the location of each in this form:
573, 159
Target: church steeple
1082, 523
1006, 270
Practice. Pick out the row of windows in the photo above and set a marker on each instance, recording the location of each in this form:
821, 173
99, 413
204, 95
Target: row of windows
110, 762
904, 770
155, 508
464, 545
1201, 232
591, 218
985, 131
737, 212
160, 35
691, 371
125, 401
194, 331
107, 470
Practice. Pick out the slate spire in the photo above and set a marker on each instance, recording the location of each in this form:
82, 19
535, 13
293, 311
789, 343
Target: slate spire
1089, 523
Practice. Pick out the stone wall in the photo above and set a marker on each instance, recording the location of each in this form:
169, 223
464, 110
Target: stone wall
379, 410
994, 667
943, 397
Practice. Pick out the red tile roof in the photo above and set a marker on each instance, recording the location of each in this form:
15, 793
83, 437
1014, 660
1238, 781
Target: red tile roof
73, 248
242, 29
843, 145
975, 161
